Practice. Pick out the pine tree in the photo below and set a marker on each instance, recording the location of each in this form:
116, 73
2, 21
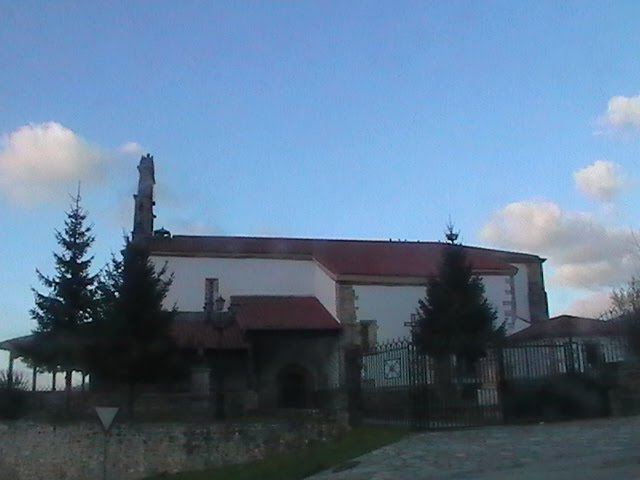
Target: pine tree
132, 334
70, 301
455, 318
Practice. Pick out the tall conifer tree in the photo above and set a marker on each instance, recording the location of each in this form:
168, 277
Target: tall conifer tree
455, 317
132, 335
70, 300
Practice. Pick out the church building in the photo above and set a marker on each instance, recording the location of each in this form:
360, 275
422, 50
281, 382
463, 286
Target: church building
269, 318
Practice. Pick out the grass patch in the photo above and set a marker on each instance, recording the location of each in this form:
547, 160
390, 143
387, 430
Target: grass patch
300, 463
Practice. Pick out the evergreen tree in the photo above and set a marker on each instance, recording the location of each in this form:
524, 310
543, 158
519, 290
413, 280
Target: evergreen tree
70, 301
455, 317
132, 341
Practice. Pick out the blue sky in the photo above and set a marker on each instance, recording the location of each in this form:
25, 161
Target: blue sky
519, 120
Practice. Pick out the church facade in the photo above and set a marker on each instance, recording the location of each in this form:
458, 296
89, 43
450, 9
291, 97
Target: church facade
293, 305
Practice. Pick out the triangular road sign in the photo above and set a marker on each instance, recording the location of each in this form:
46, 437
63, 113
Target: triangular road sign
106, 416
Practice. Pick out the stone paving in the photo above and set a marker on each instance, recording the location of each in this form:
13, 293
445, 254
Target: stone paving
586, 450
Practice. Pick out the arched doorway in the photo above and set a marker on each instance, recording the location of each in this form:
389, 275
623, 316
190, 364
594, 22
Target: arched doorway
294, 387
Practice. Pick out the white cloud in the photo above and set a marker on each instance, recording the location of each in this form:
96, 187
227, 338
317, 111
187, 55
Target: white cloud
131, 148
41, 160
591, 306
584, 253
602, 180
623, 114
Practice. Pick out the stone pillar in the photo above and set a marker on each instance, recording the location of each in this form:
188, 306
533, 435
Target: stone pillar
200, 380
346, 303
368, 334
346, 313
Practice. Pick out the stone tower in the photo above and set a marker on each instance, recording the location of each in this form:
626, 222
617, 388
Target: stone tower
143, 215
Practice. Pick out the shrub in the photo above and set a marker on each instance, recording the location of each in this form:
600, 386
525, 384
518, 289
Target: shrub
558, 397
13, 396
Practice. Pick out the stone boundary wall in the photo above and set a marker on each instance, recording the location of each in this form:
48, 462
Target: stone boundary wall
74, 451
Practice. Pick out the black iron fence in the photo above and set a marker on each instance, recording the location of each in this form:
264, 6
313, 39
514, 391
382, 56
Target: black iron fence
562, 378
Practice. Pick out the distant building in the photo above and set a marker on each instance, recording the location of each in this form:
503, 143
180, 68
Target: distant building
586, 343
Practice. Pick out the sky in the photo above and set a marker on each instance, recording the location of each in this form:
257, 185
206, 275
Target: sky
519, 121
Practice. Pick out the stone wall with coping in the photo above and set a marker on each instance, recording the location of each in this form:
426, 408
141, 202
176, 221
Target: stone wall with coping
39, 451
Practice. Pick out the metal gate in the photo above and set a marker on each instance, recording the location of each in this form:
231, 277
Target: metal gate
402, 386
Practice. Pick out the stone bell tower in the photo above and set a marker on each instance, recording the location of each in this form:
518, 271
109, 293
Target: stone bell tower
143, 215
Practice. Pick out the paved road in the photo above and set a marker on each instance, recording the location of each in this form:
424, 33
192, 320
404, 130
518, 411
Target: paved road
586, 450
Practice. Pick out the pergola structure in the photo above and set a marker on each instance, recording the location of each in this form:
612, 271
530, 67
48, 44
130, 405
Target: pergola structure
17, 348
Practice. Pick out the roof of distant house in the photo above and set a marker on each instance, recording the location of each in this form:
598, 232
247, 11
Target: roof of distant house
342, 257
565, 326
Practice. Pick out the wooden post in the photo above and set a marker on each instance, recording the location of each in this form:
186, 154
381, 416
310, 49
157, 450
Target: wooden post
251, 371
10, 369
34, 378
53, 380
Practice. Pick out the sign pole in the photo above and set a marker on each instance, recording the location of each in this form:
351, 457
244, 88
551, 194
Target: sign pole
106, 416
104, 457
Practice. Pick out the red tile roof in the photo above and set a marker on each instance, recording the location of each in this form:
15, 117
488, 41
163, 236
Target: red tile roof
565, 326
255, 313
190, 330
341, 257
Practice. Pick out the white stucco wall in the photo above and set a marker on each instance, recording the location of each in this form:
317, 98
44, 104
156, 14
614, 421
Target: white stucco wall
325, 289
392, 306
237, 276
497, 289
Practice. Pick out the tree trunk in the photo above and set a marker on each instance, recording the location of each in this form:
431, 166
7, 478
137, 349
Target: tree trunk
446, 396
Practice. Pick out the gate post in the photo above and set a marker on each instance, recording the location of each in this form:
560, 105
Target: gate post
353, 377
502, 381
418, 386
569, 357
